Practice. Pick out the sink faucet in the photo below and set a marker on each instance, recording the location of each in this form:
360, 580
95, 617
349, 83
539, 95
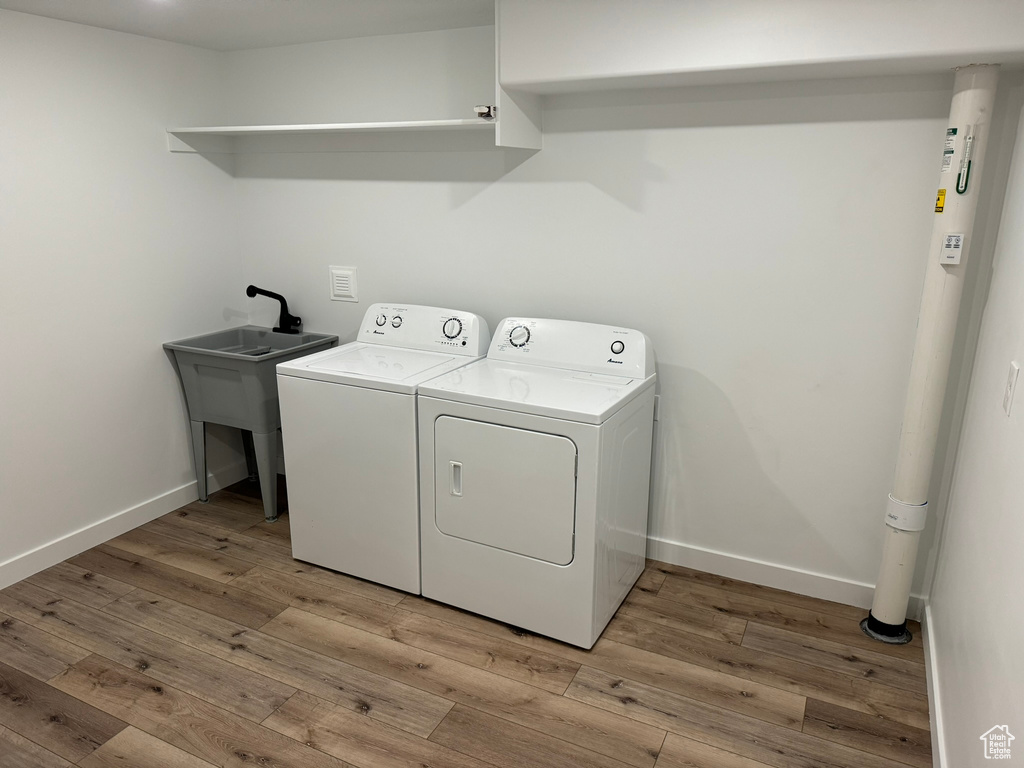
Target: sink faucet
287, 323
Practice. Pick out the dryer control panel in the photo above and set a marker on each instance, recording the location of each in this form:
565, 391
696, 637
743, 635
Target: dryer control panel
587, 347
435, 329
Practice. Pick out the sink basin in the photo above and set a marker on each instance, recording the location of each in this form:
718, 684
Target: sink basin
230, 378
253, 341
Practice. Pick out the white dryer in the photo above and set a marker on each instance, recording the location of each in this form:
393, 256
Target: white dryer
535, 474
348, 418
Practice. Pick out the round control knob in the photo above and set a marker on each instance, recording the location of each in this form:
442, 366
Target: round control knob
396, 321
452, 327
617, 347
381, 319
518, 336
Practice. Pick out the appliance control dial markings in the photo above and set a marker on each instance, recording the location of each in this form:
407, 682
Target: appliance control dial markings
518, 336
381, 319
617, 347
452, 327
396, 321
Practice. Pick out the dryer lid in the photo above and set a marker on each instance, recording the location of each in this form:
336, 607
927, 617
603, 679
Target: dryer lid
557, 393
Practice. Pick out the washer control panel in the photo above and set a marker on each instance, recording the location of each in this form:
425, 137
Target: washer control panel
435, 329
567, 344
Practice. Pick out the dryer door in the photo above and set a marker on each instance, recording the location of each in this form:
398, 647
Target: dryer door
508, 488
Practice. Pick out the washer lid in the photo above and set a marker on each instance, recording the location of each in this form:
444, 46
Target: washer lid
372, 365
374, 362
562, 394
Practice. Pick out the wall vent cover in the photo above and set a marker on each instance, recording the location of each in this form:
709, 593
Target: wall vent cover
343, 284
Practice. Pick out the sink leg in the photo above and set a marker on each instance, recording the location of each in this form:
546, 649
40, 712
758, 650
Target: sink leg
266, 460
250, 454
199, 454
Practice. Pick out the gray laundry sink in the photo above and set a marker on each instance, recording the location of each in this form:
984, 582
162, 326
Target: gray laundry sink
229, 378
253, 341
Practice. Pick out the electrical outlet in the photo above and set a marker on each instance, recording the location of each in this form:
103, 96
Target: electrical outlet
1011, 385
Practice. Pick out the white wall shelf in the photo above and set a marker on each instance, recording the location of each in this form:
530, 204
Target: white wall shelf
575, 46
472, 134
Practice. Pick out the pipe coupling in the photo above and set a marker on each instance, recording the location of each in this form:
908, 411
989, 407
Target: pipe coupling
906, 517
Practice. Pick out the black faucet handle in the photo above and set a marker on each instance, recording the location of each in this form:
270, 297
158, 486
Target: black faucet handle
287, 323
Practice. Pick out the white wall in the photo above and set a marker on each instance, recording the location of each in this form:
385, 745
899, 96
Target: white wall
572, 44
771, 240
419, 76
975, 621
110, 245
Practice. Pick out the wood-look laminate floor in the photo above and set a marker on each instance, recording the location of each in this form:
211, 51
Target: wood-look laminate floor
196, 641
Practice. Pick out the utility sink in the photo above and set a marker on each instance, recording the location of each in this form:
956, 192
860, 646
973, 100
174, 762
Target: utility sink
230, 378
253, 341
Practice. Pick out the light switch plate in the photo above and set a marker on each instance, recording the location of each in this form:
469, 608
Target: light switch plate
343, 284
1011, 385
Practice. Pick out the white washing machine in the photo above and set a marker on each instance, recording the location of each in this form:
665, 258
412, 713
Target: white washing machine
535, 474
348, 418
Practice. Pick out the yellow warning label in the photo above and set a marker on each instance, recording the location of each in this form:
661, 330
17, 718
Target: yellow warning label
940, 201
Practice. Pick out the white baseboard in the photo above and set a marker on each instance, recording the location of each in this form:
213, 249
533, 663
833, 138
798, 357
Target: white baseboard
24, 565
785, 577
931, 672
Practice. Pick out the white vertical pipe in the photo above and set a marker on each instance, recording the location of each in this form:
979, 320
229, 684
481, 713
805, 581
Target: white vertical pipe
971, 116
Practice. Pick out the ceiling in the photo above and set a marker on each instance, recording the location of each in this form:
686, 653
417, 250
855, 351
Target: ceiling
231, 25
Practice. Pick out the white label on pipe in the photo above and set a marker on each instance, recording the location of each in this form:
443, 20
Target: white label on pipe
949, 150
952, 248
